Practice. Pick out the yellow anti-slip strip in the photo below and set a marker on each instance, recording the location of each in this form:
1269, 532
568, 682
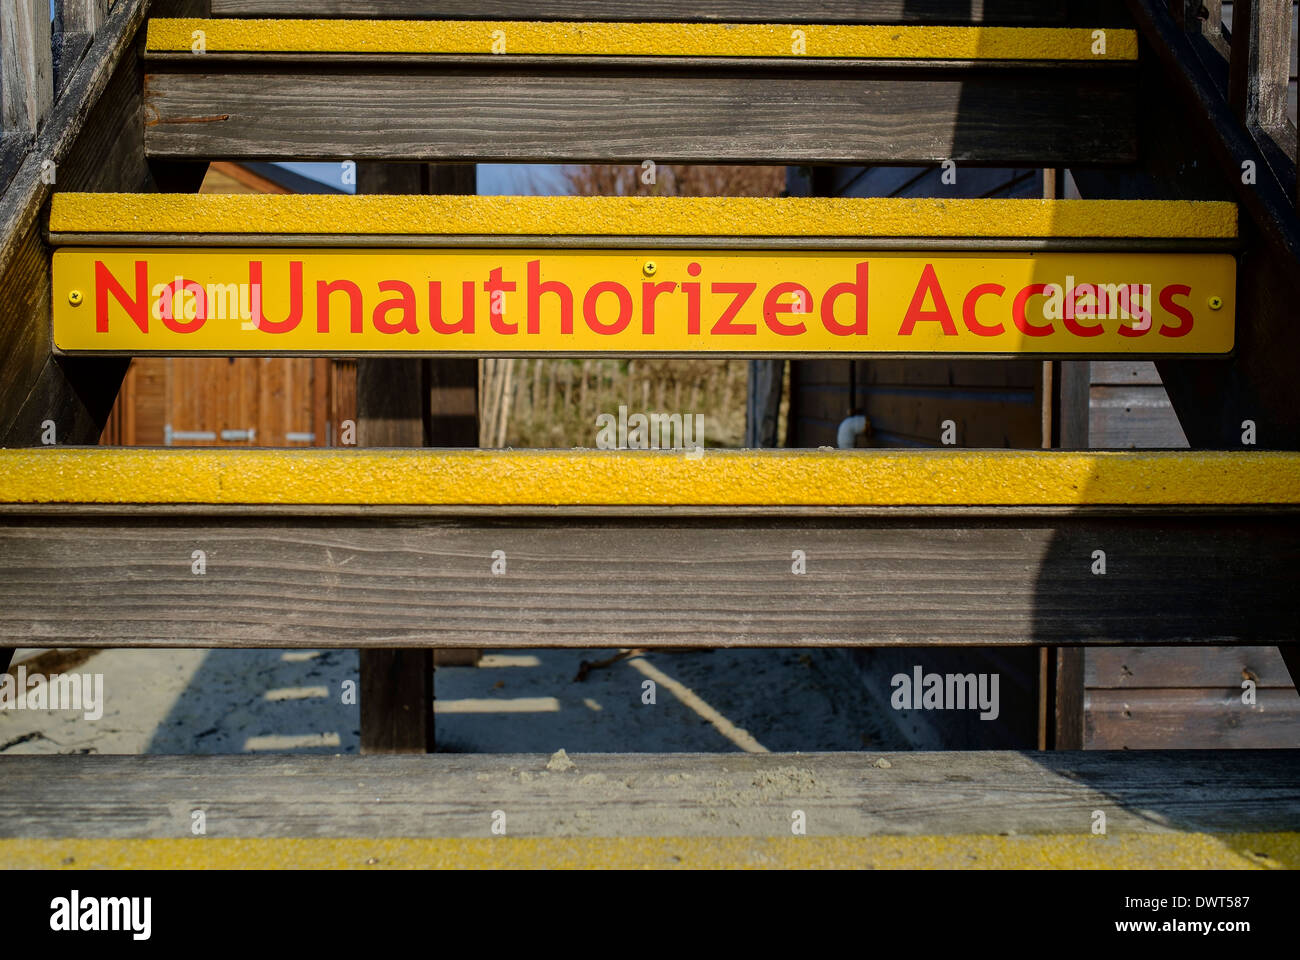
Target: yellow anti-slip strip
646, 478
1191, 851
640, 39
637, 216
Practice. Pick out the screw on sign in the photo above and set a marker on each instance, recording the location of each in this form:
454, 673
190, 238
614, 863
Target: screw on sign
683, 302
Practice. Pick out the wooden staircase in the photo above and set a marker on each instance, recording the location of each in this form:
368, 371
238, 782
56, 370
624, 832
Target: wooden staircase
633, 548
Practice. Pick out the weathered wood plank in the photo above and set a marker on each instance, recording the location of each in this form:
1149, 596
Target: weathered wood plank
396, 701
26, 66
1016, 374
1260, 61
1130, 668
94, 139
357, 580
981, 418
83, 16
1118, 373
763, 402
1133, 417
1214, 397
731, 11
845, 794
1067, 671
396, 685
630, 112
1072, 403
76, 23
1161, 719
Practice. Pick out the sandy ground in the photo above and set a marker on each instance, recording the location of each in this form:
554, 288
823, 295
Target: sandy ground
240, 701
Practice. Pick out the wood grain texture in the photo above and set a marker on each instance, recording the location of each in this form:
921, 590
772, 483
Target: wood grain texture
763, 393
451, 410
357, 579
1067, 677
1260, 61
1128, 668
396, 685
982, 418
1123, 373
1163, 719
1017, 374
396, 701
94, 135
1072, 402
1214, 397
844, 794
1133, 417
732, 11
628, 112
76, 23
83, 16
992, 404
26, 66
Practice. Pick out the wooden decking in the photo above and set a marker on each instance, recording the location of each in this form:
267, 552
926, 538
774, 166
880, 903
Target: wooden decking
1206, 809
526, 91
745, 548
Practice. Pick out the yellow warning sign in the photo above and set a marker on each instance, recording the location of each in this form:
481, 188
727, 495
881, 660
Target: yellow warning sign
263, 302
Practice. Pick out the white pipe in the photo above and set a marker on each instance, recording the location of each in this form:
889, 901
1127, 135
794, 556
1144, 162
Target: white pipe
848, 431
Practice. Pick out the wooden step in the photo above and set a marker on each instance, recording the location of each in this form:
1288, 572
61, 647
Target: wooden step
529, 91
1162, 809
1019, 12
869, 223
350, 548
270, 38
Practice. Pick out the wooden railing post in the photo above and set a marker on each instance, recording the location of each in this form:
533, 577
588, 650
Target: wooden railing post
26, 66
84, 16
75, 25
1257, 70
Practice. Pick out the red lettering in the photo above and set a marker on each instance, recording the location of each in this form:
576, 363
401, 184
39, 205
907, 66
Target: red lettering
466, 322
692, 291
589, 312
295, 300
649, 294
535, 290
405, 302
137, 309
323, 290
742, 293
928, 283
1176, 309
773, 308
971, 303
1082, 293
858, 290
494, 285
1103, 310
1018, 311
169, 317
